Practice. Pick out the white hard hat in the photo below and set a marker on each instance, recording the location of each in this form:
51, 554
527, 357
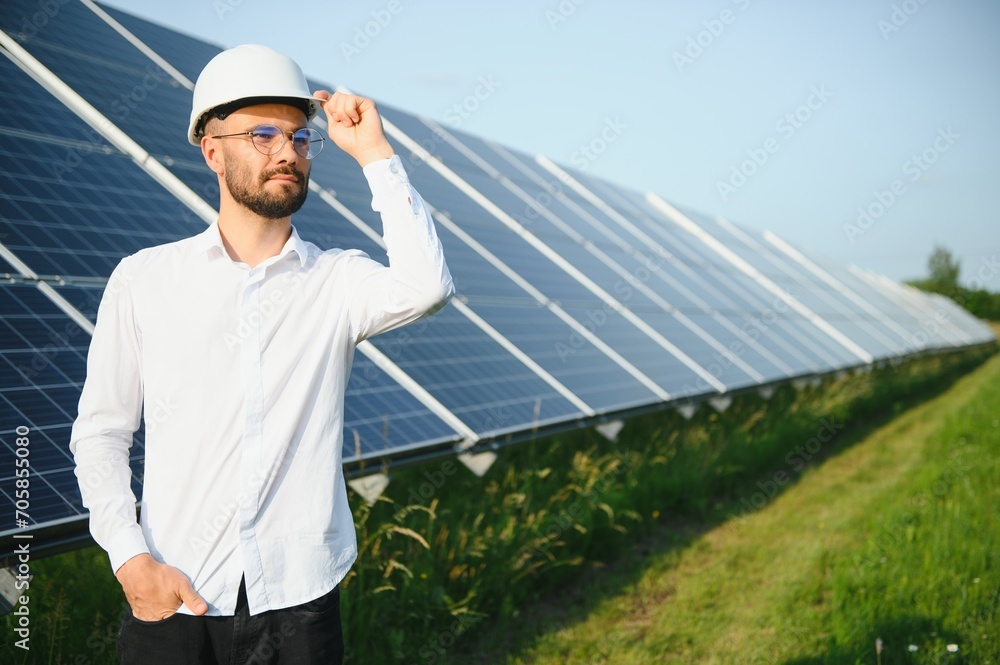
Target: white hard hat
246, 75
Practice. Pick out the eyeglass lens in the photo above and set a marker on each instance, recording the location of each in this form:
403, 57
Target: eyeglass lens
268, 139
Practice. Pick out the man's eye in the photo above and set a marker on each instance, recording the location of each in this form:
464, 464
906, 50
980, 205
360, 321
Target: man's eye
265, 134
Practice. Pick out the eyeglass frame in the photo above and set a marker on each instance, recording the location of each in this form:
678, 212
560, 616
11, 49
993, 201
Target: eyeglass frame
289, 133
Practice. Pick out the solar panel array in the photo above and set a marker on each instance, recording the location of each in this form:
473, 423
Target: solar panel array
577, 300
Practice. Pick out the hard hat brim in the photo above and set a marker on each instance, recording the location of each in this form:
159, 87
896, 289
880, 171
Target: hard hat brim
309, 105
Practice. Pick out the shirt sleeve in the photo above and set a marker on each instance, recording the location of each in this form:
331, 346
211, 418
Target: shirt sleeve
417, 281
109, 414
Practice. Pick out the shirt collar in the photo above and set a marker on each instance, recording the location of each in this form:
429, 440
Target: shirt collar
209, 241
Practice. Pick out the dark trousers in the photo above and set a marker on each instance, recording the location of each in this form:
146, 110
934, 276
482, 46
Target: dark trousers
308, 634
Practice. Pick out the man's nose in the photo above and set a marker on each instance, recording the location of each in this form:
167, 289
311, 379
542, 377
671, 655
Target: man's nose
287, 154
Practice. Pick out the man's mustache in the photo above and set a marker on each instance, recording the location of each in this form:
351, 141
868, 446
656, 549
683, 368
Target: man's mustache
284, 170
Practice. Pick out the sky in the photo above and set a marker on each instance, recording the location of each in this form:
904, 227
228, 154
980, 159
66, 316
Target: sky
863, 129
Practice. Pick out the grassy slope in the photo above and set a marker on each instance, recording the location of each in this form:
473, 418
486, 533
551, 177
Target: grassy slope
885, 539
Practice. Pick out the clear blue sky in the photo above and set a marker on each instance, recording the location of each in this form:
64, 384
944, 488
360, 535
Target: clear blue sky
887, 80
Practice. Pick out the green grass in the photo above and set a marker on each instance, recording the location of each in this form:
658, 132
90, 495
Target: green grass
895, 537
563, 528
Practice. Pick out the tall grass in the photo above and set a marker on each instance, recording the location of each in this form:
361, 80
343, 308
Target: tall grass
442, 572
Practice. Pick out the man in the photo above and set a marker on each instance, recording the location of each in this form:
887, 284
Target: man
238, 344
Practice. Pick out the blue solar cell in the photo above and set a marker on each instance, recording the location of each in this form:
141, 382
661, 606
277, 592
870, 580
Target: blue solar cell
567, 355
473, 376
688, 281
41, 345
527, 261
42, 366
801, 343
186, 54
380, 416
85, 298
28, 110
110, 73
556, 284
494, 296
71, 203
605, 257
81, 221
910, 325
819, 296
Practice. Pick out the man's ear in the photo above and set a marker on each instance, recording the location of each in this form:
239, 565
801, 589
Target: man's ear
211, 150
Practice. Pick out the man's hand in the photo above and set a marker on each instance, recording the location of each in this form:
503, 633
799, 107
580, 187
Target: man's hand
354, 125
155, 590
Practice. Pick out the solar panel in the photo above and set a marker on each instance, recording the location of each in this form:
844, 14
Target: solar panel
641, 281
492, 399
571, 358
72, 204
557, 285
763, 310
83, 221
165, 107
819, 296
380, 416
577, 299
830, 298
186, 54
43, 360
901, 315
682, 261
111, 74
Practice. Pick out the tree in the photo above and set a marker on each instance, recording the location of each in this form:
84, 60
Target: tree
944, 269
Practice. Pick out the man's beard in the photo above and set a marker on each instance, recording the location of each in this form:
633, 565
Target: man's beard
259, 200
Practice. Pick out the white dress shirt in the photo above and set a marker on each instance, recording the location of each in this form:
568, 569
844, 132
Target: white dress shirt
241, 373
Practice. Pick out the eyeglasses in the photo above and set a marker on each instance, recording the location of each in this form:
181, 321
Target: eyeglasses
269, 140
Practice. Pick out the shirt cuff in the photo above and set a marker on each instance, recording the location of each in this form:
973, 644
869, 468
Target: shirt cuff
127, 544
389, 183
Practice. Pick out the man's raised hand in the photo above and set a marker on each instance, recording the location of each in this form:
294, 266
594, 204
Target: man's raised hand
355, 126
